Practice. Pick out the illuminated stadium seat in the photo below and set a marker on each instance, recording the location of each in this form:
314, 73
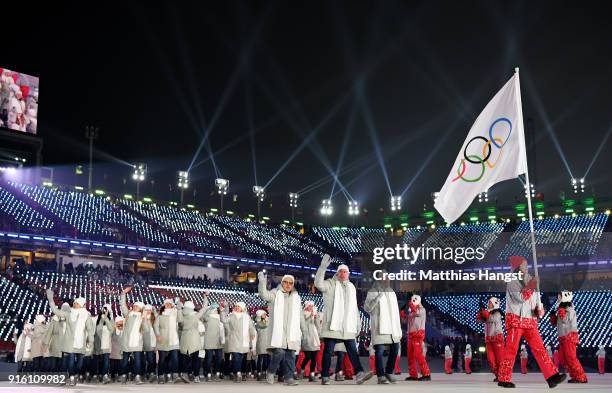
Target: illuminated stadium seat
467, 235
576, 235
21, 213
412, 234
352, 240
15, 299
94, 215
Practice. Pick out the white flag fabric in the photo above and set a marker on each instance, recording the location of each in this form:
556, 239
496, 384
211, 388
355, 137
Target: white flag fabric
494, 151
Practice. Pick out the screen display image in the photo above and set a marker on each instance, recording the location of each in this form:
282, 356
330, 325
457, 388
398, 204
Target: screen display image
18, 101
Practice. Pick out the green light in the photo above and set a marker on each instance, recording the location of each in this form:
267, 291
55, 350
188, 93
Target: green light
540, 213
128, 196
569, 210
387, 226
404, 224
47, 184
250, 215
286, 221
492, 217
147, 199
520, 215
99, 192
336, 228
212, 209
590, 209
191, 206
231, 213
79, 188
473, 218
266, 218
300, 224
429, 222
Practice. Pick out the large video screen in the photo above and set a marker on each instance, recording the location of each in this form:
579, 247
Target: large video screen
18, 101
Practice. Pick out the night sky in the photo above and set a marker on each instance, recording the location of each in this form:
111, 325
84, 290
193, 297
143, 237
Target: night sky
261, 76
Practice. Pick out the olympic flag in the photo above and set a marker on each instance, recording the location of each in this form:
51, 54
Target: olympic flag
493, 151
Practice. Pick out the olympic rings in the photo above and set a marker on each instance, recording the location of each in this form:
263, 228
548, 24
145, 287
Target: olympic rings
486, 156
487, 150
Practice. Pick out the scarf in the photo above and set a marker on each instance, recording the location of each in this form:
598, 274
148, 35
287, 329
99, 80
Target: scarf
79, 318
105, 339
221, 328
134, 338
388, 318
245, 328
317, 341
342, 319
173, 340
279, 319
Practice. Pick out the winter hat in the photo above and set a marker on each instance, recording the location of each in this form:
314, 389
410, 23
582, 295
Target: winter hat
516, 261
189, 304
80, 301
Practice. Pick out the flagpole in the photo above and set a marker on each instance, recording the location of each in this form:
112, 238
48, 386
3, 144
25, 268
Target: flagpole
519, 105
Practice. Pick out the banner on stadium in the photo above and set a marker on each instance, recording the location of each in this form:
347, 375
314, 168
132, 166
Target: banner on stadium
493, 151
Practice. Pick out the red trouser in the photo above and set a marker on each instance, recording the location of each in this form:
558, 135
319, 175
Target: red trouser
397, 369
347, 366
567, 346
372, 364
320, 358
528, 328
468, 370
415, 354
448, 363
524, 365
601, 365
495, 352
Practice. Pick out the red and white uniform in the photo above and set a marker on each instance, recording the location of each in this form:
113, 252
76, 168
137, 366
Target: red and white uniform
416, 335
494, 336
601, 359
448, 360
567, 331
522, 311
524, 359
467, 357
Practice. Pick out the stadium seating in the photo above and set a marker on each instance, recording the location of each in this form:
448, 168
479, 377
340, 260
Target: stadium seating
576, 235
352, 240
21, 213
465, 235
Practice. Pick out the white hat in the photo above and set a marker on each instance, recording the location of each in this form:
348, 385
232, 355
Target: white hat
28, 326
343, 266
416, 300
119, 318
260, 312
565, 296
447, 348
40, 318
80, 301
148, 307
189, 304
242, 305
468, 346
168, 301
139, 304
493, 303
289, 276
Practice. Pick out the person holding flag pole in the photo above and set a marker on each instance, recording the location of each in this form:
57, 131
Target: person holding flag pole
495, 151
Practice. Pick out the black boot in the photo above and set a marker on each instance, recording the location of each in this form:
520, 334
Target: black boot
556, 379
506, 384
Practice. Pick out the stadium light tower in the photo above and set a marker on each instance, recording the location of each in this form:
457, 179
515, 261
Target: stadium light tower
578, 185
222, 187
532, 188
483, 196
327, 209
396, 203
293, 203
139, 174
182, 182
260, 193
353, 210
91, 133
